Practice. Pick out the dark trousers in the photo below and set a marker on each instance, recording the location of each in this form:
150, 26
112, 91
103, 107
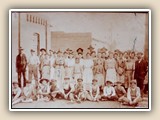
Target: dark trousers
20, 74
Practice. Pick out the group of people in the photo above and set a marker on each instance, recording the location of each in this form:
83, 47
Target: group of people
78, 75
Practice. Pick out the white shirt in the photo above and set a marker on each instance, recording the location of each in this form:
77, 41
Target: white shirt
34, 60
109, 90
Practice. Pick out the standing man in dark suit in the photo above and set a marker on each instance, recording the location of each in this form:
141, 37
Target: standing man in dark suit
140, 71
21, 63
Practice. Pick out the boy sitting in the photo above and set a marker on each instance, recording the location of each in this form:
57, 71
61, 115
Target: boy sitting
120, 91
108, 92
133, 94
79, 91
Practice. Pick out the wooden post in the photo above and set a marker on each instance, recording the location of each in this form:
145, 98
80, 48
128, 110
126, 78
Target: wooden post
19, 30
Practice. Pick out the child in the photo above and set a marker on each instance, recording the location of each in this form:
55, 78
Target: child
94, 94
54, 90
77, 70
16, 93
67, 90
27, 92
44, 90
79, 91
133, 94
109, 92
120, 91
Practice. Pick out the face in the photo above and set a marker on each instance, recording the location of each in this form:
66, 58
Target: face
120, 55
59, 54
133, 85
93, 54
111, 55
132, 55
43, 52
77, 60
32, 53
21, 51
115, 55
15, 85
118, 85
103, 54
99, 55
44, 82
80, 82
71, 55
139, 56
87, 55
94, 82
80, 55
51, 53
65, 55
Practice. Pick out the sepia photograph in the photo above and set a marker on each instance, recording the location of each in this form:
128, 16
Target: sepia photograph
79, 60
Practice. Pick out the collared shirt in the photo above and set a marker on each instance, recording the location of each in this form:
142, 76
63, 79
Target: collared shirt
34, 60
109, 90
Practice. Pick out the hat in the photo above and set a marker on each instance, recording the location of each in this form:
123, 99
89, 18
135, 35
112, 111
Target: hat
59, 51
133, 81
140, 53
65, 52
71, 52
53, 80
14, 82
20, 48
79, 79
43, 80
32, 50
95, 80
108, 81
51, 50
42, 49
119, 82
28, 81
104, 49
79, 50
66, 78
90, 47
93, 52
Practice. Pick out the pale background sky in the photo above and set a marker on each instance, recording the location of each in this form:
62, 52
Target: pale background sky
120, 28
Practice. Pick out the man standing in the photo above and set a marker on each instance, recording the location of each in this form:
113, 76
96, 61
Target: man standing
21, 63
33, 63
140, 71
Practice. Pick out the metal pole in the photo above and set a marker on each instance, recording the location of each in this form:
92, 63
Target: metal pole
19, 30
46, 34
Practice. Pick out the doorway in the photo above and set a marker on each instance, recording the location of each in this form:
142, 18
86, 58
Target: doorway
37, 42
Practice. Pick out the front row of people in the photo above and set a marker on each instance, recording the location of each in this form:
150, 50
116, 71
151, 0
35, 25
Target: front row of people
49, 91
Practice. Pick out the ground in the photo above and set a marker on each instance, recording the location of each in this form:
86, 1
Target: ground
85, 104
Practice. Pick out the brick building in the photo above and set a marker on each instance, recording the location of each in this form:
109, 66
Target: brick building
62, 40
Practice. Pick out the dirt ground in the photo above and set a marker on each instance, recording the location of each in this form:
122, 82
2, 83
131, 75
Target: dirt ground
86, 104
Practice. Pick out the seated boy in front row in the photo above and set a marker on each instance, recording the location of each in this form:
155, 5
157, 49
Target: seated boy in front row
120, 91
16, 93
44, 90
67, 90
108, 92
133, 94
79, 91
27, 92
54, 89
94, 93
